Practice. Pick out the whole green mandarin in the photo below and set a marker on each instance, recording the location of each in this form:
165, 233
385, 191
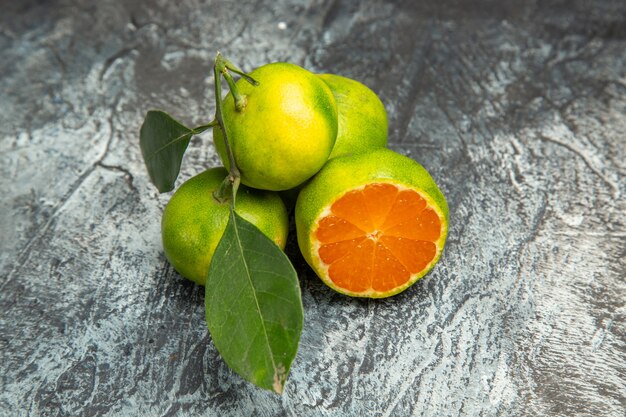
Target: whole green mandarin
362, 117
194, 221
285, 132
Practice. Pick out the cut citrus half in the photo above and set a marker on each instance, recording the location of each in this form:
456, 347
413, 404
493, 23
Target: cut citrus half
371, 225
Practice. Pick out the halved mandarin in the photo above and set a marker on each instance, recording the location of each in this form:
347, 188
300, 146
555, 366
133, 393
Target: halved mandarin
377, 238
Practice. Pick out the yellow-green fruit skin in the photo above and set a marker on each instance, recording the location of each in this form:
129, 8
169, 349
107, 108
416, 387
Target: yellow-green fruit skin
193, 221
362, 118
345, 173
286, 131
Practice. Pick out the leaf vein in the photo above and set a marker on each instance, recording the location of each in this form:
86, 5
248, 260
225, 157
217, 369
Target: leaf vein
256, 300
162, 148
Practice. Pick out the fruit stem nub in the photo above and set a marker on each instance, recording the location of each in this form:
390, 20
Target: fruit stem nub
223, 66
227, 189
240, 101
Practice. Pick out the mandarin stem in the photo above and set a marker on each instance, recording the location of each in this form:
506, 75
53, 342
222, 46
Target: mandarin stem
240, 101
231, 183
229, 65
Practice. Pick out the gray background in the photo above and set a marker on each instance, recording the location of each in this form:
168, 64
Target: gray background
518, 109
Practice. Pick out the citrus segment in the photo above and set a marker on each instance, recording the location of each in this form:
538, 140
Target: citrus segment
330, 252
426, 227
336, 229
388, 273
352, 270
405, 205
379, 199
352, 208
377, 237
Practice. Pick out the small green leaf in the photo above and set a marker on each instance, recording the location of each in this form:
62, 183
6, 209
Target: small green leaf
253, 305
163, 142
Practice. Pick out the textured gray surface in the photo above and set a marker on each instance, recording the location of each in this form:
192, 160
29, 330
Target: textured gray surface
519, 112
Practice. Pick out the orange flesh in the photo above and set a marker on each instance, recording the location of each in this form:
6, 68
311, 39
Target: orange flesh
377, 237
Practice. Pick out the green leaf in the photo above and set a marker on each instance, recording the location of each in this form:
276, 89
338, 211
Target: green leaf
253, 305
163, 142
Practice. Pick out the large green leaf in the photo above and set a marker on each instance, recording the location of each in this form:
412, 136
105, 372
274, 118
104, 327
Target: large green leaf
163, 142
253, 305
